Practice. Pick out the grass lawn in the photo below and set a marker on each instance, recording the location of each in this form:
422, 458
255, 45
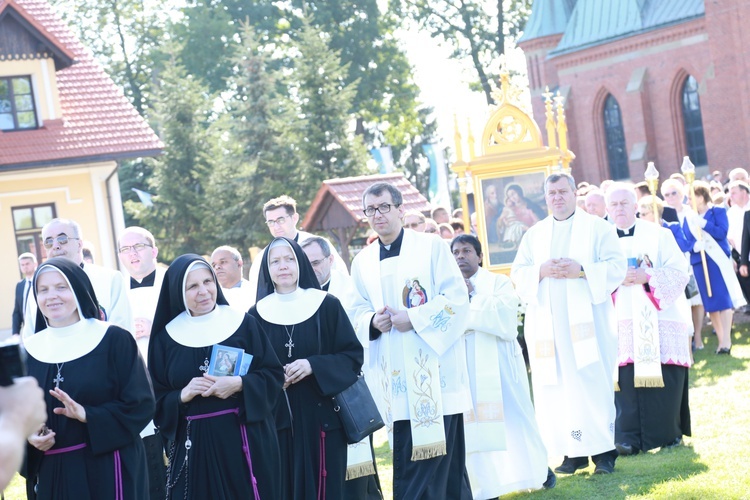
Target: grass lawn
713, 463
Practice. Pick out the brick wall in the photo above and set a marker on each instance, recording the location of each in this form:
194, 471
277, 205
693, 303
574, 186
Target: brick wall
645, 73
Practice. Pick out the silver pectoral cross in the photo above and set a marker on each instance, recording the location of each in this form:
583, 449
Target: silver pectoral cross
58, 379
204, 368
289, 344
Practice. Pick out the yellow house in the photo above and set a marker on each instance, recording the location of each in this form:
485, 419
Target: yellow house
64, 128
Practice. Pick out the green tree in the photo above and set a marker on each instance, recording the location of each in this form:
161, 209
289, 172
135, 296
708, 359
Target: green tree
316, 115
179, 218
472, 30
125, 36
255, 164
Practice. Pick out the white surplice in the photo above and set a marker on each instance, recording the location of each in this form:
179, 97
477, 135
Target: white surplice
576, 412
667, 280
240, 298
492, 326
439, 324
143, 301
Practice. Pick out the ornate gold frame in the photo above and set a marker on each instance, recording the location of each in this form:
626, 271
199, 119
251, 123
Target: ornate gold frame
511, 147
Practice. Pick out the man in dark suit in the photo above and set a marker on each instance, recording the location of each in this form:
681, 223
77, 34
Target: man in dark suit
744, 251
27, 263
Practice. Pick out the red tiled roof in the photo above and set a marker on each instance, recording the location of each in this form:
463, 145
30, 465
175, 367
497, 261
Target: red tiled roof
97, 123
348, 193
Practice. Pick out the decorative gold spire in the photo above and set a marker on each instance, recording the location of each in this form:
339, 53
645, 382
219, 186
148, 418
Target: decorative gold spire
550, 125
457, 139
470, 139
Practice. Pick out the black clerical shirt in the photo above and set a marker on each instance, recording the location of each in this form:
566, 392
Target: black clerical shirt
386, 252
392, 250
147, 281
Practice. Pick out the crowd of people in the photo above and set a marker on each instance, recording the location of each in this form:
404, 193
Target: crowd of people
192, 381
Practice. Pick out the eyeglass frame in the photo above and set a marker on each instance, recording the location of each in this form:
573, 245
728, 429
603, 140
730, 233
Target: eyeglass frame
62, 239
275, 222
130, 248
379, 209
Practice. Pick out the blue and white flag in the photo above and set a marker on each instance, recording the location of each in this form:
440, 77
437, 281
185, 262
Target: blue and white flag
144, 197
384, 157
438, 192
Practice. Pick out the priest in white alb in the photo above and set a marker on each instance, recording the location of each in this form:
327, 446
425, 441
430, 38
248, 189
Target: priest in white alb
654, 325
566, 269
504, 450
410, 304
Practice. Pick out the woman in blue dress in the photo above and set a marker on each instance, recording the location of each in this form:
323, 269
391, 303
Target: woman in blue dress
711, 224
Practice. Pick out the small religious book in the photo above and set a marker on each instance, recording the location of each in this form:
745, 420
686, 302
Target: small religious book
246, 360
225, 360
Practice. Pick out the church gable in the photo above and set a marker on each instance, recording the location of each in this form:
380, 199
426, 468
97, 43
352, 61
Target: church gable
20, 39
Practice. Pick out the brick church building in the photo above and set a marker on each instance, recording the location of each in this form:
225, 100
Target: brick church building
644, 80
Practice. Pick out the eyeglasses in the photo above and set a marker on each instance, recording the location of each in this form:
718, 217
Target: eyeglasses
277, 222
62, 240
383, 208
414, 225
430, 230
137, 247
671, 193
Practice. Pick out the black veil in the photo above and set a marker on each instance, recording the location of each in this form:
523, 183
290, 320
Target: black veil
305, 280
171, 302
88, 306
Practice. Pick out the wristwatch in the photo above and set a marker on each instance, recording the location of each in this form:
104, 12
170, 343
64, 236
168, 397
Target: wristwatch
582, 274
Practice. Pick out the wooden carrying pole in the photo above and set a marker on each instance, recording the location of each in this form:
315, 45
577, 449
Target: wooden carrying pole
688, 170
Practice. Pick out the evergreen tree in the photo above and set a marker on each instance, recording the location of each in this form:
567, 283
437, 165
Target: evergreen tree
255, 166
180, 219
316, 121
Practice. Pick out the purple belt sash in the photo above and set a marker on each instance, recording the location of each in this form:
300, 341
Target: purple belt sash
65, 450
118, 465
245, 445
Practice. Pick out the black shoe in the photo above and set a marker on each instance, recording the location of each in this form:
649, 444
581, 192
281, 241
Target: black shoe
605, 466
724, 350
551, 480
625, 449
570, 465
674, 444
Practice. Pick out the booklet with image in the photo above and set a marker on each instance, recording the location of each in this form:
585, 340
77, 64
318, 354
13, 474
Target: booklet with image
225, 360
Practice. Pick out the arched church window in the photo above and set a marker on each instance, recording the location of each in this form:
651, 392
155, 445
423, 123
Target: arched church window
617, 156
693, 122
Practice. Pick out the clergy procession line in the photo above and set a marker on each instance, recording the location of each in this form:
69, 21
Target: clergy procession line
229, 381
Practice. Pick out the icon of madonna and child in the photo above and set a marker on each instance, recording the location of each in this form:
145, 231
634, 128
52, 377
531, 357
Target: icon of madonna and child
506, 222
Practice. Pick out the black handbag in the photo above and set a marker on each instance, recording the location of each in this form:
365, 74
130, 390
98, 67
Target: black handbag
357, 410
691, 289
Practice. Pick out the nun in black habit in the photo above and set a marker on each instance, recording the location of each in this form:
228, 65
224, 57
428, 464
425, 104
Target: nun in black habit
222, 440
97, 391
313, 338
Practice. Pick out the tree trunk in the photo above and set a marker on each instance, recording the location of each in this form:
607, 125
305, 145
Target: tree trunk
500, 34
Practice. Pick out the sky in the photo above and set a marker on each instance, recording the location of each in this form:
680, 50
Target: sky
444, 85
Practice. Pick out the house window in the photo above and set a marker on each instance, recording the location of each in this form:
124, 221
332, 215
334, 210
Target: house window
17, 111
691, 117
617, 155
28, 222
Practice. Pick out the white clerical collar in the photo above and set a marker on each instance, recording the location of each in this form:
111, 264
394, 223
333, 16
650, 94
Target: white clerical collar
206, 330
290, 308
58, 345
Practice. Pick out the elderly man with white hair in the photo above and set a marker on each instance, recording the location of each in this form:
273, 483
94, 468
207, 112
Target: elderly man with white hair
653, 326
595, 204
239, 292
